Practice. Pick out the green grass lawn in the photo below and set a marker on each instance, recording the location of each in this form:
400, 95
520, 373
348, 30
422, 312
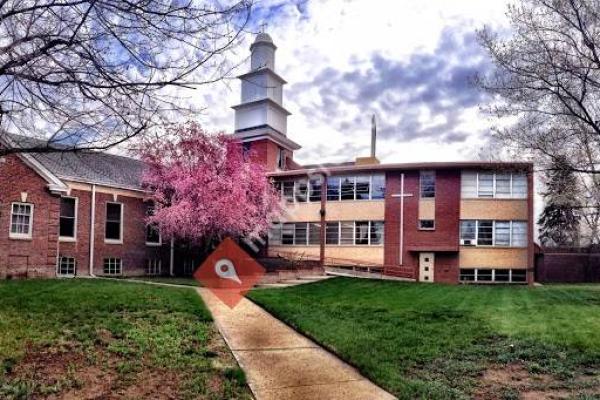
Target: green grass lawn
105, 339
436, 341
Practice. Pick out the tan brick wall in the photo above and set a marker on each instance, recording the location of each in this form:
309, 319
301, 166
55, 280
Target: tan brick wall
335, 254
373, 210
427, 209
477, 257
501, 209
302, 212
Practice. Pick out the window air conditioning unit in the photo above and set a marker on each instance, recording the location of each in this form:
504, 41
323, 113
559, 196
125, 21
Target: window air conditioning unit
467, 242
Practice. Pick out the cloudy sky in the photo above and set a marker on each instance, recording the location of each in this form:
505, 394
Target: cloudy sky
408, 62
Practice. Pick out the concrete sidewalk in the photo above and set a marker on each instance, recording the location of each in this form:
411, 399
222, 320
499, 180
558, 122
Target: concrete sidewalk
282, 364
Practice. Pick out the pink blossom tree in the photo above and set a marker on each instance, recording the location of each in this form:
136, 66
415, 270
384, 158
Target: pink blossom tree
204, 188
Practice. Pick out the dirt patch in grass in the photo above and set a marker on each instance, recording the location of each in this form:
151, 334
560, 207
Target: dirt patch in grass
69, 372
515, 381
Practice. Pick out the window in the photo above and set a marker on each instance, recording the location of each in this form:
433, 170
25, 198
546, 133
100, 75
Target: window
486, 185
112, 266
333, 188
426, 224
287, 233
519, 186
468, 185
347, 188
287, 190
153, 267
519, 234
468, 232
332, 233
301, 191
484, 275
314, 187
314, 233
21, 220
502, 275
363, 184
362, 232
493, 233
66, 266
518, 275
491, 275
301, 233
467, 275
377, 187
114, 225
485, 233
152, 233
68, 218
188, 266
502, 185
275, 233
427, 184
346, 232
281, 158
377, 229
502, 233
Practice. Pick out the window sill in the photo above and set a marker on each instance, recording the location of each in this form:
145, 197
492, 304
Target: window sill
66, 239
426, 229
13, 237
494, 247
152, 244
110, 241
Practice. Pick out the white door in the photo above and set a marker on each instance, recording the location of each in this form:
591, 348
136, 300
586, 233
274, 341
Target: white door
426, 261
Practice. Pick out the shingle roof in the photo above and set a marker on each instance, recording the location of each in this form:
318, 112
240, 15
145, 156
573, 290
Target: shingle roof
87, 166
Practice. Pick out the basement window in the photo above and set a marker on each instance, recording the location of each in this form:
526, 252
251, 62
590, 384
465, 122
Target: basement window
113, 266
153, 267
66, 266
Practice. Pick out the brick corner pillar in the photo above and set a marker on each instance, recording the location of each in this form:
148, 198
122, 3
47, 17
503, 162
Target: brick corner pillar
531, 223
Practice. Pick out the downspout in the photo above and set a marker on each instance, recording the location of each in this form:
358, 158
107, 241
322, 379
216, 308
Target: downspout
92, 230
323, 222
172, 258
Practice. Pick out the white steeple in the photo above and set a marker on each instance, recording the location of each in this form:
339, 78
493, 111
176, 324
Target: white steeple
261, 104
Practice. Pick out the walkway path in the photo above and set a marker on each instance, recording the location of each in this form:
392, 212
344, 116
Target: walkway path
282, 364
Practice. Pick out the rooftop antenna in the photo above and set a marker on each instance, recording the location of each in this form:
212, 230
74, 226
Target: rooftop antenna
373, 135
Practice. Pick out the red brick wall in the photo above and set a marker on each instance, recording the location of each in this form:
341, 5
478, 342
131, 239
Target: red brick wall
265, 152
447, 215
37, 257
133, 251
34, 257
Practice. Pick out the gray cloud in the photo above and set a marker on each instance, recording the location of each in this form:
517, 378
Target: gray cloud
399, 91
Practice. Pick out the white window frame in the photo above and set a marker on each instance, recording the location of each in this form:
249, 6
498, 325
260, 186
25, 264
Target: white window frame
153, 244
494, 193
476, 240
75, 221
114, 241
427, 173
21, 236
115, 263
153, 267
427, 219
58, 269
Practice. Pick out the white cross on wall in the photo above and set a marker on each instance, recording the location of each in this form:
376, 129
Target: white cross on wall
402, 195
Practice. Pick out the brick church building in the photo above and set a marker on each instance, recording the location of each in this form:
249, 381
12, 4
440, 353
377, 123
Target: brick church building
83, 213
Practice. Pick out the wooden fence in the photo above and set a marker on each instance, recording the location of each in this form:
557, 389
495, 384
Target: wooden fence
567, 265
